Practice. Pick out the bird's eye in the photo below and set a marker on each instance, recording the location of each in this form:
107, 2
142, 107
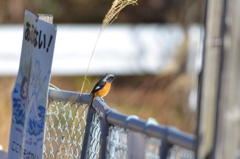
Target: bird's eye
110, 78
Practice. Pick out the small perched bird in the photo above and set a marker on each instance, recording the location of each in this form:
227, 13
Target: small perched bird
102, 88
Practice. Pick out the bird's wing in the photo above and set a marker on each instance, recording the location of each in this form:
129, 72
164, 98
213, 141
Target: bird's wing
98, 86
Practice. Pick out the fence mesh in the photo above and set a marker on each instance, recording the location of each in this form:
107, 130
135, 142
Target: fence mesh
152, 148
95, 132
177, 152
64, 130
117, 143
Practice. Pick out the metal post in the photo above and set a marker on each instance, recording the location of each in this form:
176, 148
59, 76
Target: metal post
103, 139
228, 117
86, 140
210, 79
165, 146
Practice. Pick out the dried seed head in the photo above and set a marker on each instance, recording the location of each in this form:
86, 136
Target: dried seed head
112, 14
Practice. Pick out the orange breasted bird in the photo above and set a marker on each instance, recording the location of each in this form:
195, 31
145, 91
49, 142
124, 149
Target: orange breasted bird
102, 88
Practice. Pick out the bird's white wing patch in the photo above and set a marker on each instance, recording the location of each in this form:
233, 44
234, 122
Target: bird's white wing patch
97, 88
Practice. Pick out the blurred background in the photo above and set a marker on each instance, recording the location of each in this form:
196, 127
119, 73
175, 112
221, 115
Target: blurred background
154, 48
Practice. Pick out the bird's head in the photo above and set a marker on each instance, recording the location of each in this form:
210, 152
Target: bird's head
109, 78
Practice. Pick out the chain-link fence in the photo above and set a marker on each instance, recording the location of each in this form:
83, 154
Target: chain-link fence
176, 152
64, 129
95, 132
152, 148
117, 143
71, 131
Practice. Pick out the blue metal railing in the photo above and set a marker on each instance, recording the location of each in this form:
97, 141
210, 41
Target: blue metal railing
169, 135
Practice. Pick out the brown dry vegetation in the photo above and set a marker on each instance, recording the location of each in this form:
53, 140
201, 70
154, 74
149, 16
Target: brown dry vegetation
6, 85
85, 11
163, 98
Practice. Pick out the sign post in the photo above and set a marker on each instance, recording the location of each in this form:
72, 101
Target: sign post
29, 95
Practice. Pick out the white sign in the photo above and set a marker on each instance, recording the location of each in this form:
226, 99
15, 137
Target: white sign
29, 95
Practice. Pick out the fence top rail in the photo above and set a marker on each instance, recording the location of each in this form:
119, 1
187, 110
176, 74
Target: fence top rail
171, 135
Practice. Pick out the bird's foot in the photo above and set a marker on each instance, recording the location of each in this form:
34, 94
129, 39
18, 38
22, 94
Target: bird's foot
102, 99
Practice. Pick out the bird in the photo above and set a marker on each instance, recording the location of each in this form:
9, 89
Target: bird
102, 88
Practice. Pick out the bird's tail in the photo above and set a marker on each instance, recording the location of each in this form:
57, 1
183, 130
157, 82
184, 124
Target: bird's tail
91, 104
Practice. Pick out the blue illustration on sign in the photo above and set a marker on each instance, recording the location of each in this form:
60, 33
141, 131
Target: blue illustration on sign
29, 101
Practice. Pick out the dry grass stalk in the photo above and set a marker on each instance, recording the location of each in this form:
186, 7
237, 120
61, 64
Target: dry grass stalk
112, 14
